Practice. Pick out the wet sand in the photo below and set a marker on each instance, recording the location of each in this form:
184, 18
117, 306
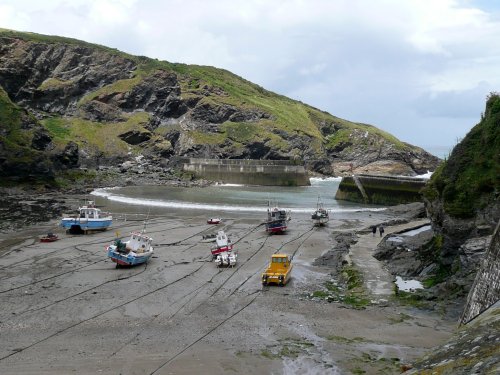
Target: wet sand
67, 309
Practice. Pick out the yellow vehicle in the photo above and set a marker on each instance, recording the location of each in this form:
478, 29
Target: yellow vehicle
279, 270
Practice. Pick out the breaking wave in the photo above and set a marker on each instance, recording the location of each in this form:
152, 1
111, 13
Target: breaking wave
110, 194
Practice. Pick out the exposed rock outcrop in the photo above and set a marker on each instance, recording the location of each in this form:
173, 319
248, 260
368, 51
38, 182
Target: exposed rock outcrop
114, 105
463, 196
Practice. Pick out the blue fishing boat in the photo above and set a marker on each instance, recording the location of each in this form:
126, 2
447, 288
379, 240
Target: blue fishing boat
137, 250
89, 218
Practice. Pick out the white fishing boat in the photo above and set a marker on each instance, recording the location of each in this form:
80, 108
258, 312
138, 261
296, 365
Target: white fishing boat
222, 252
137, 250
321, 215
223, 244
89, 218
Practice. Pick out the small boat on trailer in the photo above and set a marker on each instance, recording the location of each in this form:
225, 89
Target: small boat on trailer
50, 237
137, 250
89, 218
222, 252
277, 219
320, 216
226, 259
223, 243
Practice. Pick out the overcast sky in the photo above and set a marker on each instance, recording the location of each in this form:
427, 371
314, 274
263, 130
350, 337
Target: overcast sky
419, 69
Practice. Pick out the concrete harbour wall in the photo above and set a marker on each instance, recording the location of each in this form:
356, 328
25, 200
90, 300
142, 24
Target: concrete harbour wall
248, 172
384, 190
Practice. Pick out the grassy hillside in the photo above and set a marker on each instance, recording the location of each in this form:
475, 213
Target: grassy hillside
92, 95
288, 115
470, 178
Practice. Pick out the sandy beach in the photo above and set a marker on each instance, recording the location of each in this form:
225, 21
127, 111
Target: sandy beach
67, 309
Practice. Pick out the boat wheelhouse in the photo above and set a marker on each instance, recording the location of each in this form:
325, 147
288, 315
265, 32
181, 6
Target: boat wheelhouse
277, 220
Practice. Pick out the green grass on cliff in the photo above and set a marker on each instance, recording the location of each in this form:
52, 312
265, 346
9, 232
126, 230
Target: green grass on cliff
470, 179
97, 136
289, 117
12, 136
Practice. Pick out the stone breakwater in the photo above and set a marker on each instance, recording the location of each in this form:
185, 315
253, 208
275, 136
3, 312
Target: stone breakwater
384, 190
248, 171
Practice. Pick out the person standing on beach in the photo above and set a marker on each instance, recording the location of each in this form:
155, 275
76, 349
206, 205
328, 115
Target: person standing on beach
374, 230
381, 230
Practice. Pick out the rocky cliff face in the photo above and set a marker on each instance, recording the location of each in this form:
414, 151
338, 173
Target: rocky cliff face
93, 105
462, 198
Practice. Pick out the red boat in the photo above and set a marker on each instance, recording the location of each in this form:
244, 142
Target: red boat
214, 220
223, 244
50, 237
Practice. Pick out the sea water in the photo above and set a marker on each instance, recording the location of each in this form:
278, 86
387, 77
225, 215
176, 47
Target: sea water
230, 198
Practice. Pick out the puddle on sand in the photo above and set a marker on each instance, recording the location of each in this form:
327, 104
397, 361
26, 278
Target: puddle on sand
408, 285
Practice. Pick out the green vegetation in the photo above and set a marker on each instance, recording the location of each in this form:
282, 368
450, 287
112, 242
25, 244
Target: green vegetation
288, 347
414, 299
470, 178
351, 292
98, 136
51, 83
16, 150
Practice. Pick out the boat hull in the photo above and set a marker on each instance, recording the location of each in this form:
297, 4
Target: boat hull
276, 227
130, 259
86, 224
48, 239
320, 221
222, 249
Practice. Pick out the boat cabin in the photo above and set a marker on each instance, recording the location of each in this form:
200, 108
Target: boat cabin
139, 243
276, 214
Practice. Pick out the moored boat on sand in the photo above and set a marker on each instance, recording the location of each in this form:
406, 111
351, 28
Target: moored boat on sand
226, 259
137, 250
222, 252
89, 218
223, 243
320, 216
214, 220
50, 237
277, 219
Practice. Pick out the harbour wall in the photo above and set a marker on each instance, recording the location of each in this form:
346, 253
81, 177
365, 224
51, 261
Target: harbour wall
248, 171
485, 291
383, 190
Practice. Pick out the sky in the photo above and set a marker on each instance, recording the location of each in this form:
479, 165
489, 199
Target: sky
418, 69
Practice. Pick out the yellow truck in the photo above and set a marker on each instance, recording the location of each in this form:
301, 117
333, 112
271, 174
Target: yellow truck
279, 270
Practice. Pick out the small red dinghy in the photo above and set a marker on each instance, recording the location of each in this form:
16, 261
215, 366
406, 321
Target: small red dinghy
50, 237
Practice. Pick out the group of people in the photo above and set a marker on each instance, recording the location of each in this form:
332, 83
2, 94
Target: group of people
380, 229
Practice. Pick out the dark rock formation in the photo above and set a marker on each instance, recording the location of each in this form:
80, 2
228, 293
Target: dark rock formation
462, 197
163, 110
472, 350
